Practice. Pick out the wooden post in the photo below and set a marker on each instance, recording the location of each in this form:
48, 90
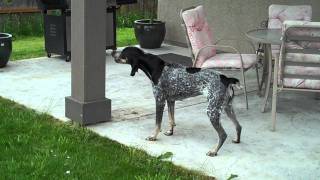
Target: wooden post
87, 103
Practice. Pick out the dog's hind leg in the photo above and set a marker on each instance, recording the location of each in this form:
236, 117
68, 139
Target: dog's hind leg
230, 113
214, 112
159, 113
172, 124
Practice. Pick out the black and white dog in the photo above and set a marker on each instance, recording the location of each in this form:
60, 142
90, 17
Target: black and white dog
173, 82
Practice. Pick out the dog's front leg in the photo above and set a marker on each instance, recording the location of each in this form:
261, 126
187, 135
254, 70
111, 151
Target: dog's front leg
160, 104
171, 104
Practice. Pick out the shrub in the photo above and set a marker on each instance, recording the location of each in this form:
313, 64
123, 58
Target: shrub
22, 24
32, 24
127, 19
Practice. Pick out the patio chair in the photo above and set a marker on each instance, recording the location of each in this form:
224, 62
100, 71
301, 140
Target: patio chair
280, 13
276, 16
204, 50
298, 67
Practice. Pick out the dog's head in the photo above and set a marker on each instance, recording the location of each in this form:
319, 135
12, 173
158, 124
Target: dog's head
150, 64
129, 55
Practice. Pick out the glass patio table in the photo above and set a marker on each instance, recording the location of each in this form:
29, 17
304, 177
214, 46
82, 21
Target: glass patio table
266, 37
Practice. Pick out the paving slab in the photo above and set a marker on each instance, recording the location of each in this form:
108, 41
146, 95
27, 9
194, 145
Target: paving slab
292, 152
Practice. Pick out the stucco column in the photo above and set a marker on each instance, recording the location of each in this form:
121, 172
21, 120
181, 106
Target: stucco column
87, 103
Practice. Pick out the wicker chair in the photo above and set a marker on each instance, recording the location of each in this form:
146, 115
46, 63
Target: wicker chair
298, 67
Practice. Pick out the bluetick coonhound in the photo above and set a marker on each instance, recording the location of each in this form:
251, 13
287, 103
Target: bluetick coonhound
172, 82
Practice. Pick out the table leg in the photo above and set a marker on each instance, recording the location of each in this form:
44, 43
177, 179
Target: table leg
268, 63
274, 94
263, 78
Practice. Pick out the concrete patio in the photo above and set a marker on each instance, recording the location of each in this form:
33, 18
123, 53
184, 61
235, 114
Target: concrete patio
292, 152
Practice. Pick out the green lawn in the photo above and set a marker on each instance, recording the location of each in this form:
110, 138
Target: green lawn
125, 37
32, 47
27, 47
37, 146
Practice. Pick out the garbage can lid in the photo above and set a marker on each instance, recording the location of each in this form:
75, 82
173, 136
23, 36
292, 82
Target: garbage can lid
53, 4
5, 36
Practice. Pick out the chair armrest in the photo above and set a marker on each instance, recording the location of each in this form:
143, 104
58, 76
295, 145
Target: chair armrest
251, 45
233, 50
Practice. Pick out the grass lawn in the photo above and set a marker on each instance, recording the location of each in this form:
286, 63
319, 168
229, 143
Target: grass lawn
32, 47
27, 47
37, 146
125, 37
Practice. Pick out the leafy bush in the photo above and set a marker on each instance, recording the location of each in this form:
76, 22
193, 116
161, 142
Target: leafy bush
22, 24
127, 19
32, 24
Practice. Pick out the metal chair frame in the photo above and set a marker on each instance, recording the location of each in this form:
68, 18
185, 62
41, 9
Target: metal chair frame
217, 46
281, 62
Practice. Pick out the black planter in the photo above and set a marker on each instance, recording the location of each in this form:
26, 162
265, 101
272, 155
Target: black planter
149, 35
5, 48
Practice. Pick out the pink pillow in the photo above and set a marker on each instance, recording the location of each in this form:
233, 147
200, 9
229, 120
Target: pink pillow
280, 13
199, 34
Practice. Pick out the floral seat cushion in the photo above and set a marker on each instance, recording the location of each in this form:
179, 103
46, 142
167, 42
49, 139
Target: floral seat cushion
300, 64
300, 57
276, 48
302, 70
229, 60
301, 83
280, 13
199, 33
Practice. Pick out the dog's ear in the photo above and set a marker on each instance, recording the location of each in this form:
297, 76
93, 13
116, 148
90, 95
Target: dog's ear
134, 66
134, 70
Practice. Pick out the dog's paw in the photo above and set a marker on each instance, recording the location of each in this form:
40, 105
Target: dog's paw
168, 133
236, 141
151, 138
212, 153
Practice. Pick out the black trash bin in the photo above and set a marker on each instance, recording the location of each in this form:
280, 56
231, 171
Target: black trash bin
5, 48
54, 4
57, 22
122, 2
57, 26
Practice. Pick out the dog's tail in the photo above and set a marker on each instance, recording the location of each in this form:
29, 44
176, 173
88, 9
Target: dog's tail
229, 81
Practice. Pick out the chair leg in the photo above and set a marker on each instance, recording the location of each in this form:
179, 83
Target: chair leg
258, 81
245, 89
274, 94
268, 56
274, 108
263, 78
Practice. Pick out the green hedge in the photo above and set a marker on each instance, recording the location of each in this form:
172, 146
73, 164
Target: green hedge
22, 24
32, 24
127, 19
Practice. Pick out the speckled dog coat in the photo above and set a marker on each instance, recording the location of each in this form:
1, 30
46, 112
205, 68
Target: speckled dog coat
175, 82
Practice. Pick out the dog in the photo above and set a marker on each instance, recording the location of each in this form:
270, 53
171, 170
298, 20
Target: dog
173, 82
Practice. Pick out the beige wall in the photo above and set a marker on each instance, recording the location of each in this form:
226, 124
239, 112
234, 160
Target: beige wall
228, 18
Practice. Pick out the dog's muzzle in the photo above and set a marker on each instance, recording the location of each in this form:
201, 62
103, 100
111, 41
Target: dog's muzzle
116, 55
